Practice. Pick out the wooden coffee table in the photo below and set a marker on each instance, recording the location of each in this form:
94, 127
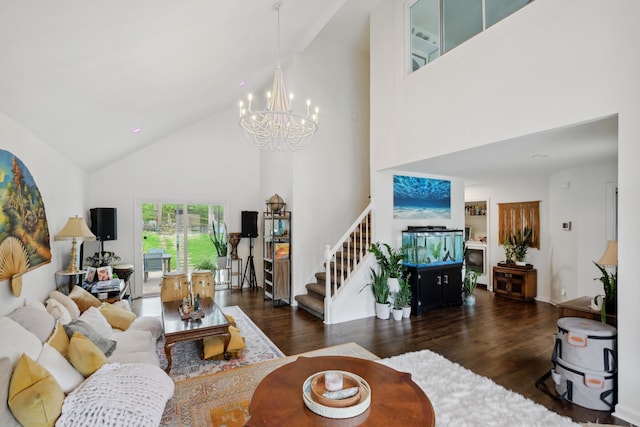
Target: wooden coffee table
213, 323
395, 398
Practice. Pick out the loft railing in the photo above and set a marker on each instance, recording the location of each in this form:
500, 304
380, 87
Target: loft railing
345, 256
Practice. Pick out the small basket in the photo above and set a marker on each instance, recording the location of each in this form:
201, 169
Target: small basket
317, 390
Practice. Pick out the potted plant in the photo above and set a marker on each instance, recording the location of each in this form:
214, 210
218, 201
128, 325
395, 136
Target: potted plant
380, 289
397, 307
517, 244
220, 240
390, 261
470, 284
403, 297
609, 282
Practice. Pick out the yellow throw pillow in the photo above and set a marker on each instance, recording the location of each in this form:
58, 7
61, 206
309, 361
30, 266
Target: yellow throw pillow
35, 398
83, 298
214, 346
84, 355
118, 318
59, 339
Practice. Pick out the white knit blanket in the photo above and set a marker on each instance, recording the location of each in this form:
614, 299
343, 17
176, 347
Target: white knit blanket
119, 395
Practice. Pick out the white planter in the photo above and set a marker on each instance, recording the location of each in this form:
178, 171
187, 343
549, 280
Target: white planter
470, 299
383, 311
406, 312
394, 285
397, 314
221, 262
521, 263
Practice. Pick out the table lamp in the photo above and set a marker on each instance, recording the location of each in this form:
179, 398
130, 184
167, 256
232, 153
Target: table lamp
73, 229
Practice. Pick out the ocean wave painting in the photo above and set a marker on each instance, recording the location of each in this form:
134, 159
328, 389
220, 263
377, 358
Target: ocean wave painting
421, 198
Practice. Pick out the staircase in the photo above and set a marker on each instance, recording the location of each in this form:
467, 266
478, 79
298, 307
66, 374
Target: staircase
340, 262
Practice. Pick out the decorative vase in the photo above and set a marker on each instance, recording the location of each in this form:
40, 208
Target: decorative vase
406, 312
469, 299
383, 311
234, 239
397, 314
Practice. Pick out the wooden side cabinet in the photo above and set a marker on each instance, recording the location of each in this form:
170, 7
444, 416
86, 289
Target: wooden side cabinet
515, 282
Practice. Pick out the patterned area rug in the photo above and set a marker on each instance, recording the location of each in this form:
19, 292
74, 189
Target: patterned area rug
222, 399
187, 359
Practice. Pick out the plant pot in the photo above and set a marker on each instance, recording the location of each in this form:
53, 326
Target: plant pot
406, 312
397, 314
469, 299
383, 311
394, 285
222, 262
521, 263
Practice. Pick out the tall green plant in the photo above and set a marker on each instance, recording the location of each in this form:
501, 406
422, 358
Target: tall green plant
389, 260
379, 286
519, 242
402, 298
220, 239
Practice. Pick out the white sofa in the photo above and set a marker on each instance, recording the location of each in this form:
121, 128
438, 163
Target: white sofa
110, 374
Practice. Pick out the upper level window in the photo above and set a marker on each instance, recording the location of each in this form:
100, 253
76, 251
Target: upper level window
437, 26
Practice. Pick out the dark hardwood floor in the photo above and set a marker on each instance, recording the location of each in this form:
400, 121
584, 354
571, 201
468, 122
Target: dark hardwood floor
507, 341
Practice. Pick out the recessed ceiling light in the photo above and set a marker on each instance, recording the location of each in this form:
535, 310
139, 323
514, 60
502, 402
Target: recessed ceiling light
539, 156
137, 130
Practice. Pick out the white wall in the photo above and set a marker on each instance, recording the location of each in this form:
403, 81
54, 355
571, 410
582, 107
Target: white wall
62, 186
509, 82
578, 195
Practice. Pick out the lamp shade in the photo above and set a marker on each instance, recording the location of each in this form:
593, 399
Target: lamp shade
75, 228
610, 256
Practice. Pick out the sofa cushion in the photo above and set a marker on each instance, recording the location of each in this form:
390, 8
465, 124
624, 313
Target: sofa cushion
97, 321
6, 416
58, 311
153, 325
105, 345
35, 304
35, 320
35, 398
84, 355
68, 303
134, 347
118, 318
59, 339
83, 298
16, 340
66, 375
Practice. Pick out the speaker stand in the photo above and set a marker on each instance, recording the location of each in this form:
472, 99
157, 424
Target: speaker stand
250, 268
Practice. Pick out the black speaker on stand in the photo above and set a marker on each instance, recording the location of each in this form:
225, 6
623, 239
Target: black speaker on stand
250, 230
104, 224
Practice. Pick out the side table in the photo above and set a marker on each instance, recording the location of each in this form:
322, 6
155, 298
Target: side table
236, 273
70, 279
580, 307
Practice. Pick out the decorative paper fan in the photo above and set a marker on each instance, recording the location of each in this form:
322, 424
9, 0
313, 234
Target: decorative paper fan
14, 261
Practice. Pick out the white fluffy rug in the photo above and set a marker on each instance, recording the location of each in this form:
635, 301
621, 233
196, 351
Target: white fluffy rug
462, 398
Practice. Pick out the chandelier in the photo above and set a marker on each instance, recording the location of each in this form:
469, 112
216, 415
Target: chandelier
278, 127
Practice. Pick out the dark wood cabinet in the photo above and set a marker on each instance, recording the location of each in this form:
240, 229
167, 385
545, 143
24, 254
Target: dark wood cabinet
433, 287
515, 282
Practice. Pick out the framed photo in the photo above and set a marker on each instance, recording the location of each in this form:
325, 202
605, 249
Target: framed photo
91, 274
104, 273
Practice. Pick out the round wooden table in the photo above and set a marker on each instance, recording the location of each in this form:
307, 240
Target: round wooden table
395, 398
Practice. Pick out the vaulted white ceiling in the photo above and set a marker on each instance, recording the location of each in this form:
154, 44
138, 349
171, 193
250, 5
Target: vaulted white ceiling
82, 75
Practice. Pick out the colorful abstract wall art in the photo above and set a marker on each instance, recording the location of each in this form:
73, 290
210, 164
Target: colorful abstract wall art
421, 198
24, 233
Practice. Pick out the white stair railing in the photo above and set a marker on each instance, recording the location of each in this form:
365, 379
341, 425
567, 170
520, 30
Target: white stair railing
347, 253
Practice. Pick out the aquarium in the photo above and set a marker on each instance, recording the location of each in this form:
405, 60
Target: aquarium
431, 246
